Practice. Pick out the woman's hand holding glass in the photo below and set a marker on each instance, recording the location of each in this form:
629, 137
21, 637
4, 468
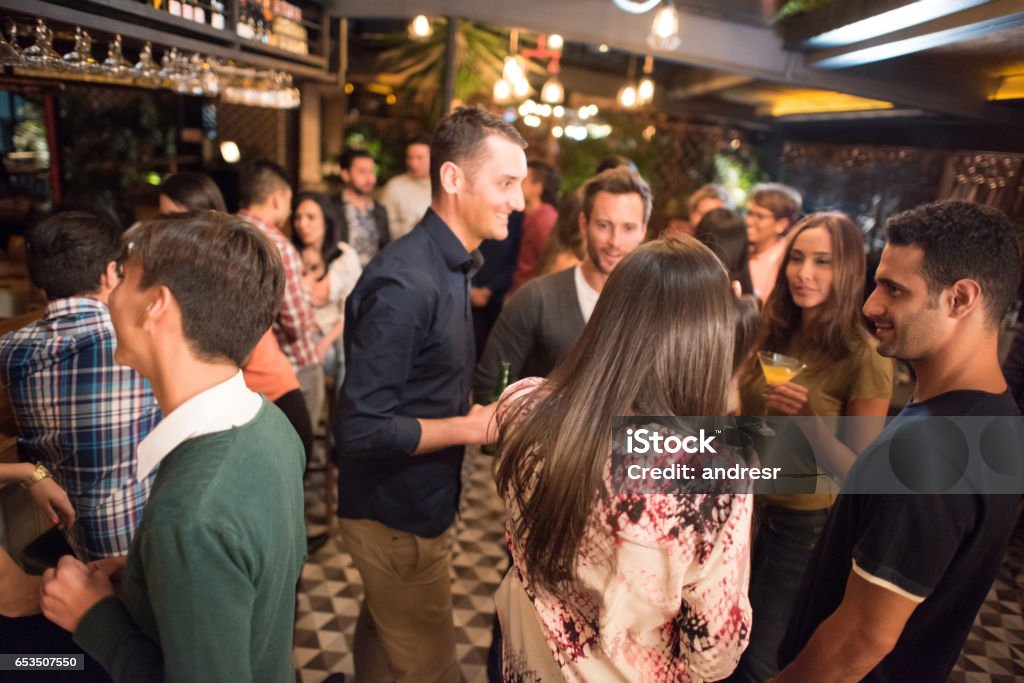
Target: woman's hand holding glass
788, 398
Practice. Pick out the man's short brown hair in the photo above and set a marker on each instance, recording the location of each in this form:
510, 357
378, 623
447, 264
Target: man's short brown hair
709, 191
459, 139
259, 180
619, 180
782, 200
227, 278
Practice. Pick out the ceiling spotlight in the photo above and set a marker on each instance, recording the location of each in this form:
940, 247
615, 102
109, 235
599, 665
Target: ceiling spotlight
602, 48
664, 33
420, 28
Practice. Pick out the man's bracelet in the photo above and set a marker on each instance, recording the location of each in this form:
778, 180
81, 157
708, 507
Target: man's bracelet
38, 474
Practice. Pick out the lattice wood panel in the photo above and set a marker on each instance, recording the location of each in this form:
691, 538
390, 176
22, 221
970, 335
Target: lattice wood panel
260, 133
992, 179
867, 183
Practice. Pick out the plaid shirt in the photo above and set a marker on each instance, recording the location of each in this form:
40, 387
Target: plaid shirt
82, 415
295, 326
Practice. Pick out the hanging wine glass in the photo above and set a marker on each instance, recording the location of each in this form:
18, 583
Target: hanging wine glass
10, 53
146, 68
80, 58
169, 74
41, 55
115, 64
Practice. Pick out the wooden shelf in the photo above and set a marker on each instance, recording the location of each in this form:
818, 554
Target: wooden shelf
138, 23
159, 17
256, 46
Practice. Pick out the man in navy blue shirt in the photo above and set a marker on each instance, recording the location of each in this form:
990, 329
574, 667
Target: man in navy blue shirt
402, 415
895, 581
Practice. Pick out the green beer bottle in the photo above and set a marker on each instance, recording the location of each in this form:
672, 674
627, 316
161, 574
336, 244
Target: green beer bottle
503, 370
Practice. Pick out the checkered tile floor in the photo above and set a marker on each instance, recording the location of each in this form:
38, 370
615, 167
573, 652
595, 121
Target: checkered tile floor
330, 591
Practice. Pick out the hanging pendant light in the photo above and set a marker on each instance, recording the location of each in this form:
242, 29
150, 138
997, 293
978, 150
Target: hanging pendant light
420, 28
664, 33
521, 88
627, 96
552, 92
645, 89
502, 91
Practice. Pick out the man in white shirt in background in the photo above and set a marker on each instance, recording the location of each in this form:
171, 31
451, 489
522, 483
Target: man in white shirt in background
407, 196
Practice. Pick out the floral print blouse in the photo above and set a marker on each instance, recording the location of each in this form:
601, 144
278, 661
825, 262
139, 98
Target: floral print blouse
660, 592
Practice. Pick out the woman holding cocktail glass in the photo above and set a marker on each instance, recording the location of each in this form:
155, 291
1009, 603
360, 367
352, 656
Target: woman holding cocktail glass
813, 333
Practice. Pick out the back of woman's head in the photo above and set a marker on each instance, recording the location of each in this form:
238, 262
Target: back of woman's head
748, 324
194, 191
660, 342
840, 325
725, 233
661, 333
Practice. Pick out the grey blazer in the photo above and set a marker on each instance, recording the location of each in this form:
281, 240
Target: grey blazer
536, 327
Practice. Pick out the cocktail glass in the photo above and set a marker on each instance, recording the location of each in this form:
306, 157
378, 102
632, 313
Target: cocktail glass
777, 368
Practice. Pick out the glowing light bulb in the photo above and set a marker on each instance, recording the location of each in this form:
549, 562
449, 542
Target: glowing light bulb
627, 96
420, 28
664, 33
513, 70
502, 91
645, 91
552, 92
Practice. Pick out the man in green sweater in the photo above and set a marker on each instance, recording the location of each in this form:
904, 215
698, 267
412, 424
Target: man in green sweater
207, 592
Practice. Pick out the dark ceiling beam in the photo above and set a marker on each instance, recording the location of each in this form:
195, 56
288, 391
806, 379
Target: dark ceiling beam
804, 30
709, 42
709, 86
727, 114
989, 18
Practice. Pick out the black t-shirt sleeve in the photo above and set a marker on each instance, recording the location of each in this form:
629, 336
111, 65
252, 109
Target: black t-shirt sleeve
909, 541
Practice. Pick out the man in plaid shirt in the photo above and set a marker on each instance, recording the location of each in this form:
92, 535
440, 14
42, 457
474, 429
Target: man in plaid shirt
265, 196
78, 412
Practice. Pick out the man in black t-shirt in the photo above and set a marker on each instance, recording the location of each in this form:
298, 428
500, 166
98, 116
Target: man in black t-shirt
895, 581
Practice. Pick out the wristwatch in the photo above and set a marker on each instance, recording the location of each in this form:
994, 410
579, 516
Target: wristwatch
38, 474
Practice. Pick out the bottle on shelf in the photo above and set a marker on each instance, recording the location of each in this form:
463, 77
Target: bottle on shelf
245, 26
217, 14
199, 12
157, 4
174, 7
503, 372
187, 9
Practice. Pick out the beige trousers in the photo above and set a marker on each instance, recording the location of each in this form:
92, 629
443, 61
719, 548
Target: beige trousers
405, 631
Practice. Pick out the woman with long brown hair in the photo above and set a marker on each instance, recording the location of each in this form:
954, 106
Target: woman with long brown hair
624, 586
813, 314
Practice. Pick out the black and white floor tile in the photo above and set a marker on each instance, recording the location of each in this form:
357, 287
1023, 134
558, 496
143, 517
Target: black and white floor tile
330, 593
